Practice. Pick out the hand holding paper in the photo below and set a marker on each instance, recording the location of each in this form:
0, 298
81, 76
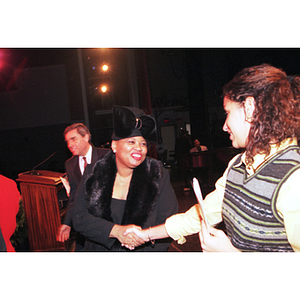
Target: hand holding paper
66, 184
199, 197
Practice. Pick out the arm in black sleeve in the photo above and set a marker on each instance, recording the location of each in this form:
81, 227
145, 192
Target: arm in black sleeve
167, 201
167, 206
68, 217
93, 228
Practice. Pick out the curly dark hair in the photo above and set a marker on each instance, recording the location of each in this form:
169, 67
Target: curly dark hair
277, 106
295, 85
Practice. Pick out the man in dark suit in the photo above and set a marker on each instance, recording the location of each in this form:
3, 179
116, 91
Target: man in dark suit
78, 139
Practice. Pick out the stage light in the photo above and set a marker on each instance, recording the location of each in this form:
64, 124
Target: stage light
103, 89
105, 67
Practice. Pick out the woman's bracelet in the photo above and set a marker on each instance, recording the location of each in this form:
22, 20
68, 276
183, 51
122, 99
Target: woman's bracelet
152, 241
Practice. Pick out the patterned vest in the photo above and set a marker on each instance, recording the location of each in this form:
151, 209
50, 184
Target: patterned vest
249, 206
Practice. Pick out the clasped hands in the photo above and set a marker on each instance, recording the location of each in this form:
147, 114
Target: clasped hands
130, 236
211, 239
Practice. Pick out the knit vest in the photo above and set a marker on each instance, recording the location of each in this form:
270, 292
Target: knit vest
249, 207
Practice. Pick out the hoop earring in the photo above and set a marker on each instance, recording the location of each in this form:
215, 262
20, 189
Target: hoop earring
249, 119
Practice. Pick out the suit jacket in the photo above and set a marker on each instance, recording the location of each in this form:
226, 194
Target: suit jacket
74, 177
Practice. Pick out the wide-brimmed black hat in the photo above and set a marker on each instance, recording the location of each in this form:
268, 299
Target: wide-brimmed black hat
132, 121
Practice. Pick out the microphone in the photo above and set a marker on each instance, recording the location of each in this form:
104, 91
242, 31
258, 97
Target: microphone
34, 171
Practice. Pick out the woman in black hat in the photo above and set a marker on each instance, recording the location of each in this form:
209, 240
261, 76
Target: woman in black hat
124, 188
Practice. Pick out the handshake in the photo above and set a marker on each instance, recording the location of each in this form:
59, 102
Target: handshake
131, 236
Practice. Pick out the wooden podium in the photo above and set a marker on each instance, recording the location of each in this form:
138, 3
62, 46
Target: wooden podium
39, 189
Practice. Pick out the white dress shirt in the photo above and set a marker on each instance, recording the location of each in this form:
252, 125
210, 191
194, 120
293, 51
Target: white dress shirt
88, 159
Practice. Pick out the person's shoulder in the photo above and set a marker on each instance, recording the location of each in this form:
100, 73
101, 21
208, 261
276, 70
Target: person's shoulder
71, 159
152, 160
6, 180
101, 151
193, 150
7, 183
69, 163
155, 165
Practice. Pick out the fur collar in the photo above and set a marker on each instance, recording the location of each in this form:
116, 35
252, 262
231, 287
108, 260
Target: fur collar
142, 194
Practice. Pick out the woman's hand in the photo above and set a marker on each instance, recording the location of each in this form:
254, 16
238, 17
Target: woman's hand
130, 240
214, 240
143, 234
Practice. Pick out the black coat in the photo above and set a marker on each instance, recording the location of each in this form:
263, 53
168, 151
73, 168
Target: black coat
74, 177
150, 201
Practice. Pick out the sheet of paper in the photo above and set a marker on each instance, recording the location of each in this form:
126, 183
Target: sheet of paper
66, 184
199, 197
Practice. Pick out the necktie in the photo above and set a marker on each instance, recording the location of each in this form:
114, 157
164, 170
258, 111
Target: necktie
85, 162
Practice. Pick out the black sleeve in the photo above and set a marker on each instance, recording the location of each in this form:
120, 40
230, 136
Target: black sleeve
68, 217
167, 206
167, 202
93, 228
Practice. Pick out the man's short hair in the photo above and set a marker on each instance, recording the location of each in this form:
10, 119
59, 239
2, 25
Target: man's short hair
81, 129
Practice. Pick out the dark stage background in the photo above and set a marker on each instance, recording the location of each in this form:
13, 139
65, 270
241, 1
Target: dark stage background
44, 90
